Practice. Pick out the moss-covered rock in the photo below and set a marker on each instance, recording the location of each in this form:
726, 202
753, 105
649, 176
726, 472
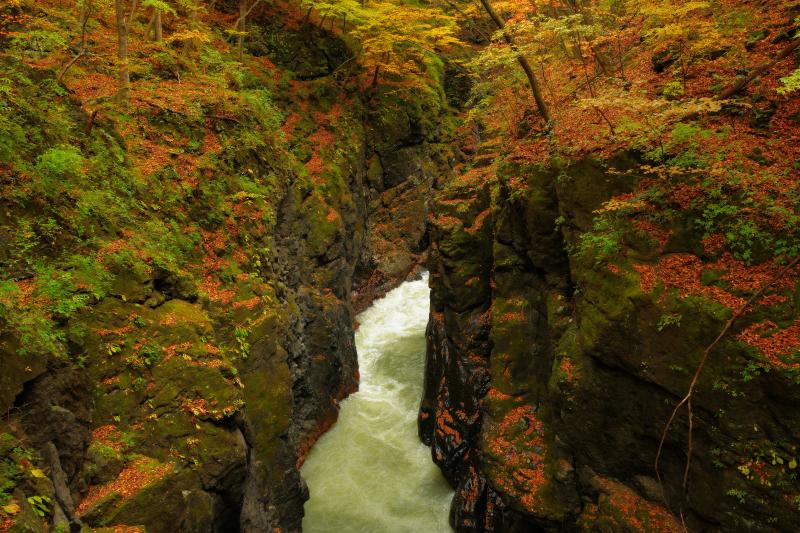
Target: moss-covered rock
563, 334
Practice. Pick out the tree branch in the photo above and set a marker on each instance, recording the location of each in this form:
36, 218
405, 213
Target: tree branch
523, 61
687, 399
759, 71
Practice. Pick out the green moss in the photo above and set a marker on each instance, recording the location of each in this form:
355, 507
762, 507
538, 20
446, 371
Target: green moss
269, 407
322, 225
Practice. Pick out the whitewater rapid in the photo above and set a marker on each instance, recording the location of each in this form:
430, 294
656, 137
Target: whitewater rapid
370, 473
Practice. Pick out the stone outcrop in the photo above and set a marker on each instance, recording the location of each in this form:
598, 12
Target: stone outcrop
551, 371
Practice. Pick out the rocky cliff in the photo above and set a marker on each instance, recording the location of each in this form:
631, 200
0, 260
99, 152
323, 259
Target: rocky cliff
180, 268
168, 365
556, 356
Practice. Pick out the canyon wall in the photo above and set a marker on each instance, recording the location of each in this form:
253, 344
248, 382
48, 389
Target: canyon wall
189, 393
553, 367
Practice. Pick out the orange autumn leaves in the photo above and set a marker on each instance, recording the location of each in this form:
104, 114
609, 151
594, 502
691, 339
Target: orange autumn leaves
683, 273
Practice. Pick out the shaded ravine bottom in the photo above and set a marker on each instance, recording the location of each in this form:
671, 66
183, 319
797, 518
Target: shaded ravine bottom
370, 473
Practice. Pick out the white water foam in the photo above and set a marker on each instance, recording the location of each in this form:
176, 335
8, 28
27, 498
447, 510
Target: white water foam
370, 473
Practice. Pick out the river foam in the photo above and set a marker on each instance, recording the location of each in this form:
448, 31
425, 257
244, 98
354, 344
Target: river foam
370, 473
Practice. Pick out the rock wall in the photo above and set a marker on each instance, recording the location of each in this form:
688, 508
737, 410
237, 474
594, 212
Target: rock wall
189, 403
551, 372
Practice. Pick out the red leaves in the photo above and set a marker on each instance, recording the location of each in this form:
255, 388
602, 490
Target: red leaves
138, 474
659, 234
316, 165
638, 512
290, 124
774, 343
569, 369
517, 444
683, 272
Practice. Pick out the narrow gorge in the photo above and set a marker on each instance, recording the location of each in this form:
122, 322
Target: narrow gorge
397, 266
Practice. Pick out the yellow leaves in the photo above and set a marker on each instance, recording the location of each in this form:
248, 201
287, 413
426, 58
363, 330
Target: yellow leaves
616, 204
189, 35
682, 25
160, 5
37, 473
197, 407
695, 106
659, 110
672, 9
113, 348
11, 509
393, 36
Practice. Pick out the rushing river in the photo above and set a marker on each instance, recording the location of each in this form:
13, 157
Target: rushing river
370, 473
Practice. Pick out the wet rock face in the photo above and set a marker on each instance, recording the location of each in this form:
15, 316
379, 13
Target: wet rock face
58, 409
407, 149
548, 381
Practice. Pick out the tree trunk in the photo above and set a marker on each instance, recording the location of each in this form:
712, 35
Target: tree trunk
122, 52
242, 27
523, 62
86, 13
375, 77
158, 29
759, 71
190, 45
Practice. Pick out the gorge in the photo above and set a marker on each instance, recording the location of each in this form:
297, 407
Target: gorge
306, 265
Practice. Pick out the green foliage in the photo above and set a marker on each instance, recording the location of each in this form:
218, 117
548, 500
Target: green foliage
673, 90
673, 319
167, 244
38, 42
12, 132
162, 6
16, 463
602, 242
40, 505
790, 83
243, 346
70, 290
89, 274
98, 210
10, 472
149, 355
748, 239
751, 371
686, 142
259, 103
60, 161
676, 26
394, 36
58, 293
740, 495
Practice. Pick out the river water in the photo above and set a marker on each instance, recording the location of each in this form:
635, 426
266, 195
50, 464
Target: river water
370, 473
